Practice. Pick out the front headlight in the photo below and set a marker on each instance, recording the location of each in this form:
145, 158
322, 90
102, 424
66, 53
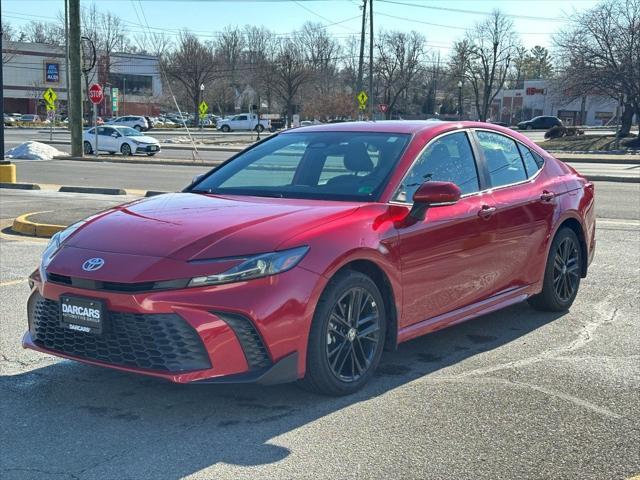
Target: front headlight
256, 266
54, 245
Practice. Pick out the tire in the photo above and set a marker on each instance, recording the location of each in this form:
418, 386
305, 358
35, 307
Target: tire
562, 274
125, 149
529, 127
88, 149
259, 128
225, 128
151, 154
347, 366
112, 153
138, 128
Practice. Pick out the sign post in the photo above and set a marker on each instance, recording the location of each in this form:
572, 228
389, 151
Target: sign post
96, 95
114, 101
50, 97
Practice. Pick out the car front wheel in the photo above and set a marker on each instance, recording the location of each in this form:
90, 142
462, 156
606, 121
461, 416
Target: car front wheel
529, 127
347, 335
125, 149
225, 128
88, 149
562, 274
259, 128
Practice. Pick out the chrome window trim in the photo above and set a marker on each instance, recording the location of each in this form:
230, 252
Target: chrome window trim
522, 182
486, 190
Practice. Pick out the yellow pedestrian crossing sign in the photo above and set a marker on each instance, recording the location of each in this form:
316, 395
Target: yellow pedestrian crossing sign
362, 100
203, 108
50, 98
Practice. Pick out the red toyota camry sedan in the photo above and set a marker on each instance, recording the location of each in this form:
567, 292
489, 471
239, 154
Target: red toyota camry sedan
306, 255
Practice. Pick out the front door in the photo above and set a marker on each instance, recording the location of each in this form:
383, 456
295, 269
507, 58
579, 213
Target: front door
447, 259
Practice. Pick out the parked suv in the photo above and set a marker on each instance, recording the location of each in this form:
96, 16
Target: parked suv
30, 118
134, 121
543, 122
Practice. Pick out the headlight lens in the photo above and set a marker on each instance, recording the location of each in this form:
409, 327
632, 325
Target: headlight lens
256, 266
54, 245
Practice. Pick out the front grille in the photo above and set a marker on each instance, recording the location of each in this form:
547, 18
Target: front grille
163, 342
252, 345
116, 286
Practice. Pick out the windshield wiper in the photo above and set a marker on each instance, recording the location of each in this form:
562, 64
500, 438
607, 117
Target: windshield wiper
267, 194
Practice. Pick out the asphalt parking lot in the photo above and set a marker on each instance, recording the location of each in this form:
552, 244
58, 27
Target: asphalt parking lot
514, 394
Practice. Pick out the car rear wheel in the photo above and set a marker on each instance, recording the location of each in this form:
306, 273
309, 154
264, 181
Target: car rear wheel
137, 127
562, 274
88, 149
529, 127
125, 149
347, 335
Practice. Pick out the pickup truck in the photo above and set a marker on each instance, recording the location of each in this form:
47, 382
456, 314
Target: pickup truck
244, 121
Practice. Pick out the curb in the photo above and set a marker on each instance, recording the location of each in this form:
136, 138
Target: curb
181, 163
20, 186
24, 226
103, 191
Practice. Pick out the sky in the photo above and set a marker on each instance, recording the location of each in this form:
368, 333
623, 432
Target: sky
440, 21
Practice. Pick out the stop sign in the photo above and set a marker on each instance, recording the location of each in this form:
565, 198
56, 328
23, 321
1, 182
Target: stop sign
95, 94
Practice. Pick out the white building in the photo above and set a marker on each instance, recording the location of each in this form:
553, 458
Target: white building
538, 97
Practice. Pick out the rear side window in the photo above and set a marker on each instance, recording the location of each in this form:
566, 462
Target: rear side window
531, 163
447, 159
502, 158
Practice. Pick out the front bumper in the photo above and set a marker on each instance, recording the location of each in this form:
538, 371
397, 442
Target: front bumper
254, 331
148, 149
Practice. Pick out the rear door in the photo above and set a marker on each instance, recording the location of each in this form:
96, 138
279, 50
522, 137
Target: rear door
447, 259
525, 202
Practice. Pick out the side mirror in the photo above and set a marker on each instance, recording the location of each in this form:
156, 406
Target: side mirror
115, 135
433, 194
197, 178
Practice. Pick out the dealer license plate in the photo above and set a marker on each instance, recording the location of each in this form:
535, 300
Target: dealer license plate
83, 315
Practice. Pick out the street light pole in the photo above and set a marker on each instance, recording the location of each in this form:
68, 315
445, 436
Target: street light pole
459, 99
199, 119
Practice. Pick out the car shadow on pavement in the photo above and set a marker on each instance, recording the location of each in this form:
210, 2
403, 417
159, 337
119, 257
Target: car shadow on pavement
78, 421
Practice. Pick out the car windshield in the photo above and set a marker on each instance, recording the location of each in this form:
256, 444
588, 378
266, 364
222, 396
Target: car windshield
315, 165
129, 132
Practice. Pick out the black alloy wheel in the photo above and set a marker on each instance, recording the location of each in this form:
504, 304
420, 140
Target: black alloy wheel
353, 333
562, 274
566, 275
347, 335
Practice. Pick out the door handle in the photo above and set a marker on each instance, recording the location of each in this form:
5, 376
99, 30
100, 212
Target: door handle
547, 196
486, 211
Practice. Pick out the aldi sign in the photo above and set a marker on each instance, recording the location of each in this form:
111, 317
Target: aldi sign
52, 72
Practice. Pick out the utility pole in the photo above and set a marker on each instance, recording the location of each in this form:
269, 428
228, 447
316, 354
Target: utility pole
361, 60
1, 102
74, 96
66, 53
371, 59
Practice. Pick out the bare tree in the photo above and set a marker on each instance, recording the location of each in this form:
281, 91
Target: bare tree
491, 48
602, 52
43, 32
153, 43
229, 50
7, 41
191, 64
399, 64
290, 73
261, 49
321, 53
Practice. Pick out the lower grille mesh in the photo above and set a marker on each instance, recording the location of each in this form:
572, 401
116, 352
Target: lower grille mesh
254, 350
163, 342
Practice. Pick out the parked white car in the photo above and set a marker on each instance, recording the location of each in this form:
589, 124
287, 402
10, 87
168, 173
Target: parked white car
244, 121
112, 139
134, 121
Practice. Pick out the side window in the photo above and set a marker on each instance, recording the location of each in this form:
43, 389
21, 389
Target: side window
241, 117
102, 131
530, 162
502, 158
448, 159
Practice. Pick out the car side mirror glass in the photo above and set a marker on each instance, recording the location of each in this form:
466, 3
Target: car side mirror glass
434, 194
115, 135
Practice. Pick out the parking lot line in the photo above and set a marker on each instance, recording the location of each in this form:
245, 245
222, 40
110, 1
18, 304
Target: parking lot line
12, 282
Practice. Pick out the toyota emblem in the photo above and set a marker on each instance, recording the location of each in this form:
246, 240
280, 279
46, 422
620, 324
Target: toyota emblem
93, 264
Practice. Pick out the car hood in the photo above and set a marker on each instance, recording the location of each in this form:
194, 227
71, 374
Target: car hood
144, 139
187, 226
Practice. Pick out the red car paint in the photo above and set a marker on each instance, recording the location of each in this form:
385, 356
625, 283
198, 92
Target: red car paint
485, 252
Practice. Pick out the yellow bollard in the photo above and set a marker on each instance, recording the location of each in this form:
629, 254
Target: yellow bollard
7, 172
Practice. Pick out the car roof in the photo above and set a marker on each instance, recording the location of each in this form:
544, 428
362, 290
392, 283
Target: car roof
399, 126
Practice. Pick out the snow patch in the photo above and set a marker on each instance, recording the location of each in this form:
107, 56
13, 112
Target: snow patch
34, 151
